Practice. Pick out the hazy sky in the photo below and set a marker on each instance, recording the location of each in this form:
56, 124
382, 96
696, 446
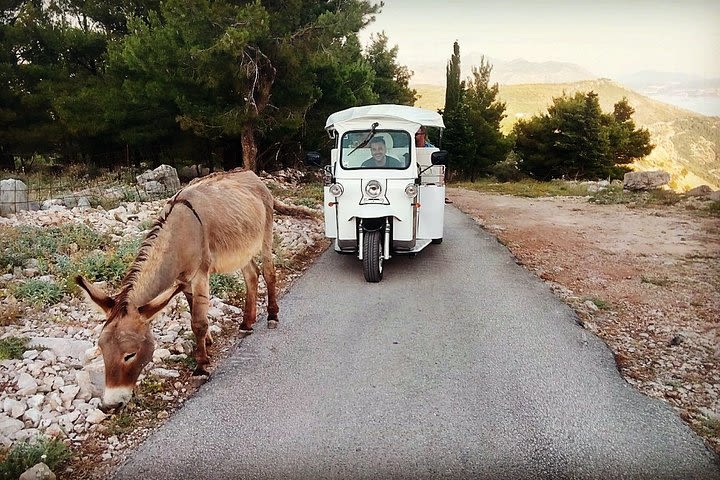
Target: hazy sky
607, 37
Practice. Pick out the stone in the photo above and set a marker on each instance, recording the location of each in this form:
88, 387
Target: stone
91, 380
63, 347
10, 426
699, 191
14, 407
33, 416
192, 171
26, 384
38, 472
95, 416
13, 196
645, 180
35, 401
165, 373
164, 179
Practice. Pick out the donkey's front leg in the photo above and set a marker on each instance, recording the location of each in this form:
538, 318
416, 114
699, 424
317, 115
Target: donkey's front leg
199, 323
208, 335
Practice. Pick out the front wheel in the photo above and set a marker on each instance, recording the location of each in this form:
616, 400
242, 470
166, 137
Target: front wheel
373, 256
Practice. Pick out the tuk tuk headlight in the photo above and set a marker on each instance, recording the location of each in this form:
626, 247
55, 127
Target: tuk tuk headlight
411, 190
336, 189
373, 189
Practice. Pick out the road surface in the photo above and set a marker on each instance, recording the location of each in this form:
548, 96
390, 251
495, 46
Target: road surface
459, 364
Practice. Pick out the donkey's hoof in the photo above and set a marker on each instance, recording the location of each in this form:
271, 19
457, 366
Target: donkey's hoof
272, 323
246, 330
200, 372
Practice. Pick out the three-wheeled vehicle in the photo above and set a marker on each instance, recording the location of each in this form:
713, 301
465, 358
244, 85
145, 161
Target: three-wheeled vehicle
384, 190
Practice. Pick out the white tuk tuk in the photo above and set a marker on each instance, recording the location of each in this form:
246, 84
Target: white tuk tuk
384, 193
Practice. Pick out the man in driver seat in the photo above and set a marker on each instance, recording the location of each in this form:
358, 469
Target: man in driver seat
379, 158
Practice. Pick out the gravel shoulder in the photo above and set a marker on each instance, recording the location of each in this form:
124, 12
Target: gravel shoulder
645, 280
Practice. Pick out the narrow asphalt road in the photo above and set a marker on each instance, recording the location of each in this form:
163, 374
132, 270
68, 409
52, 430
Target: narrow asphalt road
459, 364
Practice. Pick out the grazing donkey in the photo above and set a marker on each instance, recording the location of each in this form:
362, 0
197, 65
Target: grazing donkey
216, 224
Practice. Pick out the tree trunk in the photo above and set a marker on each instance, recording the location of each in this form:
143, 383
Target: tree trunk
249, 147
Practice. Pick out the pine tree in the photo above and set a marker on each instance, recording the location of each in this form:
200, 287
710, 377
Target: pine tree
485, 112
391, 79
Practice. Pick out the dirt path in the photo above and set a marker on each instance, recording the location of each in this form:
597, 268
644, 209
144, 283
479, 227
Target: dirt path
645, 280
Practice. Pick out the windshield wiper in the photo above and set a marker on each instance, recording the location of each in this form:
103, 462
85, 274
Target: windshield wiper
367, 139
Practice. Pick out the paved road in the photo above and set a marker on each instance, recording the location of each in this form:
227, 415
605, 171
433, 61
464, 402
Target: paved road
459, 364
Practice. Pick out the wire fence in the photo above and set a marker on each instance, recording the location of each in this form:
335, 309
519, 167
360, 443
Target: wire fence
16, 195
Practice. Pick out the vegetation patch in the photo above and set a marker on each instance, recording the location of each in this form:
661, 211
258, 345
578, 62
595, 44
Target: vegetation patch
712, 209
12, 347
39, 293
527, 188
228, 287
121, 423
52, 452
660, 282
599, 303
20, 244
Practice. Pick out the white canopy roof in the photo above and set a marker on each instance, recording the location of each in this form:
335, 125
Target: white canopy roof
421, 116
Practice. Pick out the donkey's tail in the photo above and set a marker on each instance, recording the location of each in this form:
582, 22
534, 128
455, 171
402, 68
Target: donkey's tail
294, 210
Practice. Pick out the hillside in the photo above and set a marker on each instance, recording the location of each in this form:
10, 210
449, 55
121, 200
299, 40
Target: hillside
687, 143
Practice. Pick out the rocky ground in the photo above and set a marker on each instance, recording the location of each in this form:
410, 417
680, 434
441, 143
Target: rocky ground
54, 390
644, 279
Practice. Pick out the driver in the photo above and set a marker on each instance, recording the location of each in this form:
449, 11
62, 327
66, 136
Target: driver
379, 158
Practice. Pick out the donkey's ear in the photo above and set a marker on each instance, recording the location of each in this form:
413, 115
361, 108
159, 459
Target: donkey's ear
150, 309
97, 296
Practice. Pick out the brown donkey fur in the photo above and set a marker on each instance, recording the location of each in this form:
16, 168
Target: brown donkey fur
216, 224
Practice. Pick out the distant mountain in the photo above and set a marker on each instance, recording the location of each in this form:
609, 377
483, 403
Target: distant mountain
687, 143
513, 72
521, 71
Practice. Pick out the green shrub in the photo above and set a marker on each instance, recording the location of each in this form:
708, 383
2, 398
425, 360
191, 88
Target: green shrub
38, 292
227, 287
107, 266
713, 208
52, 452
12, 347
612, 195
19, 244
527, 188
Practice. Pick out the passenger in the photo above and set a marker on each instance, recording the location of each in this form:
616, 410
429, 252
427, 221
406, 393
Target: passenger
379, 158
421, 138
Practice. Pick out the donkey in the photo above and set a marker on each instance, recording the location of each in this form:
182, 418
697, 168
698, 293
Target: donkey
216, 224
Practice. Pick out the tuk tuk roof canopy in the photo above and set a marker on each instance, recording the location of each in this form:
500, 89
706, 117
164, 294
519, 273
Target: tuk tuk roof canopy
422, 116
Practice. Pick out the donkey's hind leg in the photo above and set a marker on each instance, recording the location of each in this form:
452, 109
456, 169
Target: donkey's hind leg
250, 274
270, 282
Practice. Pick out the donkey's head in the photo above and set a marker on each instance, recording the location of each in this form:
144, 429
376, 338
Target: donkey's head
126, 340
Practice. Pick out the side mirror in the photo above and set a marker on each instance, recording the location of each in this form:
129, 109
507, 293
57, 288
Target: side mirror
439, 157
313, 159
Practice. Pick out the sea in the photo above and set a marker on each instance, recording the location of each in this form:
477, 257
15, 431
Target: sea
706, 105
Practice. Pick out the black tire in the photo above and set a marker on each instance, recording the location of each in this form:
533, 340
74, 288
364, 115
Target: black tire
437, 241
373, 256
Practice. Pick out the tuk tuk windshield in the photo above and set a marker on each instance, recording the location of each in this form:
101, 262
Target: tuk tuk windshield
361, 149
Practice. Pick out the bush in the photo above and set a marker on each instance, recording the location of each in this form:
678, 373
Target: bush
38, 292
12, 347
227, 287
52, 452
104, 266
20, 244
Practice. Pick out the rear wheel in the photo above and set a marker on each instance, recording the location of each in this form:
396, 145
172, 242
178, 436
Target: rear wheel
373, 256
437, 241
